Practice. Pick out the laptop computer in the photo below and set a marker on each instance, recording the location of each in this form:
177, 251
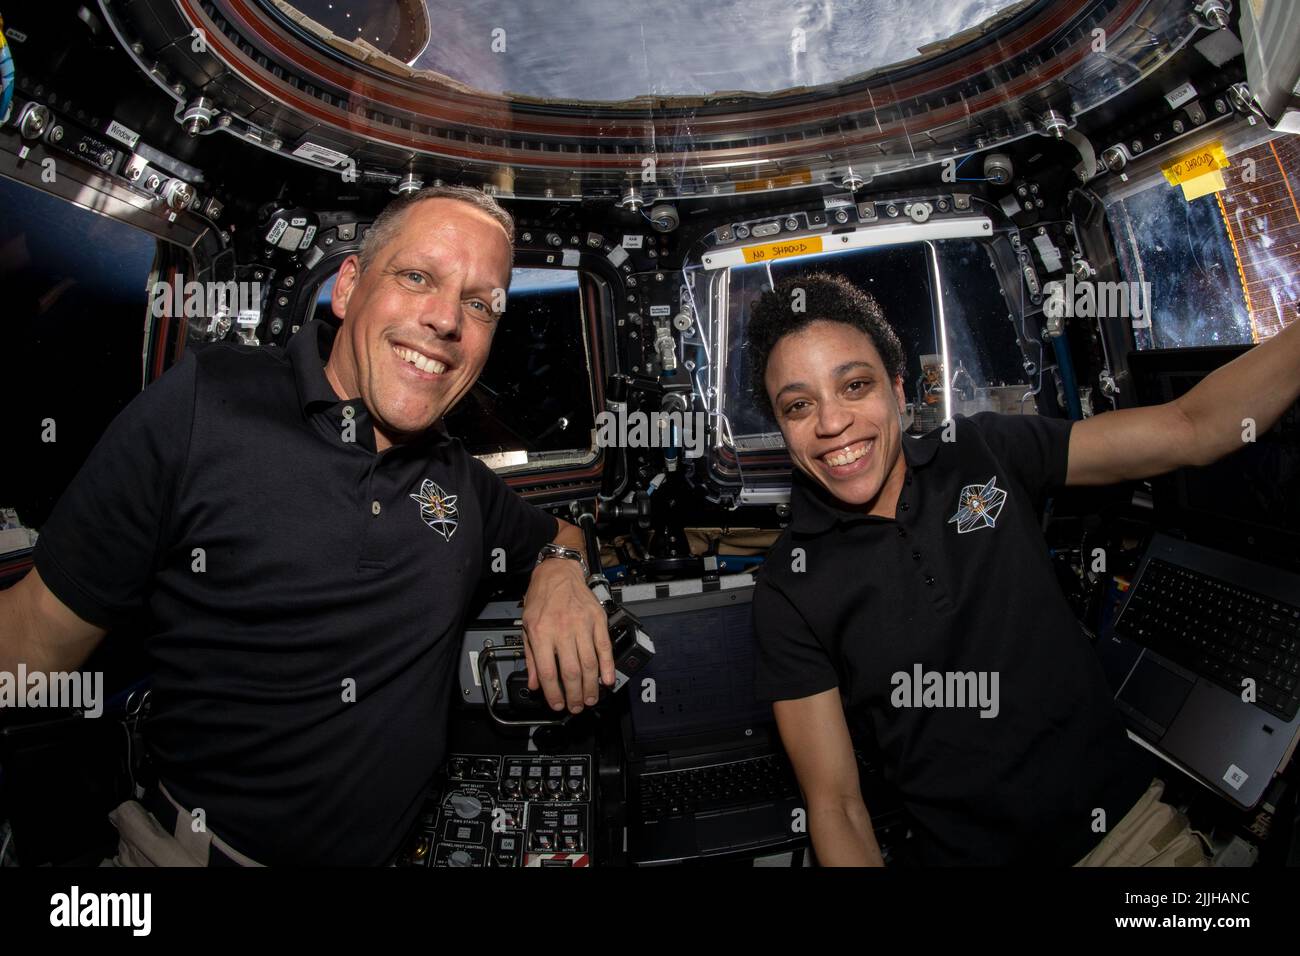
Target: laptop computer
706, 773
1204, 654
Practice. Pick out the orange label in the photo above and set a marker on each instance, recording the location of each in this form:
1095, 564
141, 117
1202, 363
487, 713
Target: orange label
783, 250
1208, 159
798, 178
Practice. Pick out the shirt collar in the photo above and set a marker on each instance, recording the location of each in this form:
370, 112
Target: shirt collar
814, 509
309, 350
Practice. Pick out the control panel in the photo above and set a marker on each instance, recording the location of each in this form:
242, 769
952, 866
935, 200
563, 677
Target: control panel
506, 811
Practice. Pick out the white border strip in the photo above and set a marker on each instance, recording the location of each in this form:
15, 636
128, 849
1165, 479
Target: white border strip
866, 237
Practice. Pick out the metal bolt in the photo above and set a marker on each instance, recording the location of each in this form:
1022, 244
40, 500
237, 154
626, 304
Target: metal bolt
1055, 125
1215, 13
1114, 158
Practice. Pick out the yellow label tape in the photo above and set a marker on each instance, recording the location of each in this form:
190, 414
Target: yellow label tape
1207, 159
782, 250
800, 177
1211, 182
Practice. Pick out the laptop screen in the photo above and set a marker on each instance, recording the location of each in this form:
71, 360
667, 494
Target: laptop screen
703, 667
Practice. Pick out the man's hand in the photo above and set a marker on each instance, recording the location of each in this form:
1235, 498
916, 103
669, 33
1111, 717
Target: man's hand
566, 639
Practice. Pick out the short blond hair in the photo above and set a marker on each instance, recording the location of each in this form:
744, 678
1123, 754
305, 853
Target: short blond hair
389, 221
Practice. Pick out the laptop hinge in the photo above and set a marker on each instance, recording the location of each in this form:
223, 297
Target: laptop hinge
656, 762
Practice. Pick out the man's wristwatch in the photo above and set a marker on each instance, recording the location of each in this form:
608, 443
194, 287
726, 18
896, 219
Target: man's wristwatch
553, 550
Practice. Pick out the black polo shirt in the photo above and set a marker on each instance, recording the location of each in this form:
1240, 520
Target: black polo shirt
307, 595
958, 582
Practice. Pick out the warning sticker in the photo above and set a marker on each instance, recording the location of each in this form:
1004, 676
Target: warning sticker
798, 178
1207, 159
1199, 173
783, 250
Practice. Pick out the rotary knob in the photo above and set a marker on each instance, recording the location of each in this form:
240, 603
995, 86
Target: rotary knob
466, 805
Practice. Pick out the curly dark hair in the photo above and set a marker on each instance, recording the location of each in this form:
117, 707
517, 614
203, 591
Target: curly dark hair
828, 298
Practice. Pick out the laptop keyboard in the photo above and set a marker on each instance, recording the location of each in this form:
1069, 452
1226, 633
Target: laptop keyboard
675, 793
1223, 632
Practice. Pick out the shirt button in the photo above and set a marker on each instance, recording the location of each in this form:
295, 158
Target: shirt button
375, 508
916, 555
902, 532
929, 579
904, 505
